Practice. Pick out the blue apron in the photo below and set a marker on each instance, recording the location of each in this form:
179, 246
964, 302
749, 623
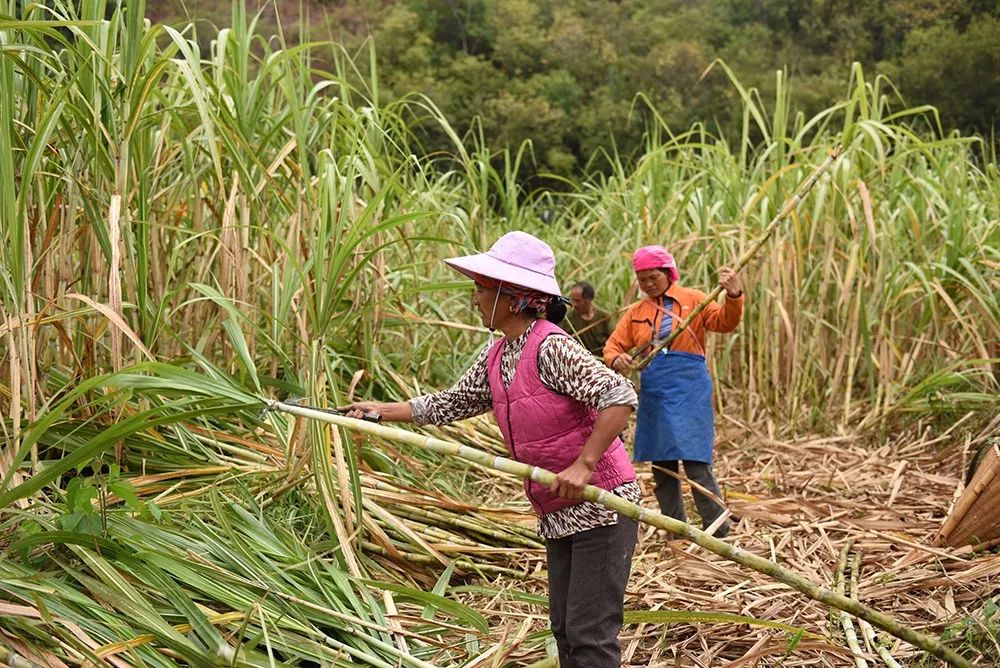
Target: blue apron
675, 418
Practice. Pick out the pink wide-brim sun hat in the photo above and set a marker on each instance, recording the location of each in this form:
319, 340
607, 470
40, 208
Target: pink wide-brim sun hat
516, 258
655, 257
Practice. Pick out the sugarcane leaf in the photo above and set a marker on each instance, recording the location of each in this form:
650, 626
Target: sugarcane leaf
207, 633
445, 605
147, 419
440, 588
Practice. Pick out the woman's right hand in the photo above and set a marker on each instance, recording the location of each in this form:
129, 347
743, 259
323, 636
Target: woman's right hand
397, 411
359, 409
621, 362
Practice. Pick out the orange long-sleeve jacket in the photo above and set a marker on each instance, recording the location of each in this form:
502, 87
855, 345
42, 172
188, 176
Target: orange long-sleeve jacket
642, 320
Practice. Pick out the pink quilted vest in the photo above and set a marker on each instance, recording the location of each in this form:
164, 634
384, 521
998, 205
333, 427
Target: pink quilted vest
547, 429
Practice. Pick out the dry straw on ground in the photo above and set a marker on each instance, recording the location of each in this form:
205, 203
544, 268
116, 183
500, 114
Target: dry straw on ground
801, 501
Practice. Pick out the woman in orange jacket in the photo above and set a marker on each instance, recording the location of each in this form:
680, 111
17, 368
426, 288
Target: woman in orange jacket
675, 419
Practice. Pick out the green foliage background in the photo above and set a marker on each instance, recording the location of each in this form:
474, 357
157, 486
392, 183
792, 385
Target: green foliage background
565, 75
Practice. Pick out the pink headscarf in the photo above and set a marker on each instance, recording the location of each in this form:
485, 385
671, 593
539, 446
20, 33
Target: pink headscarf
656, 257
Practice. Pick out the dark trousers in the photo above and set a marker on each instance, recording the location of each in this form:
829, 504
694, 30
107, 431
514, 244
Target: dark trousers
668, 492
588, 572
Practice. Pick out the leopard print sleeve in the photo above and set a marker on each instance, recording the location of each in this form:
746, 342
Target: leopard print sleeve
565, 366
467, 397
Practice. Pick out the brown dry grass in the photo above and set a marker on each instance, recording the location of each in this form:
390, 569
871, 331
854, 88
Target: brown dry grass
800, 501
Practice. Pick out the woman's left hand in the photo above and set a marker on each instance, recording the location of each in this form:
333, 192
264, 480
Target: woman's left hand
730, 280
569, 482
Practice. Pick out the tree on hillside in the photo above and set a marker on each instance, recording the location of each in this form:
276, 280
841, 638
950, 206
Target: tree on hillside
567, 76
958, 69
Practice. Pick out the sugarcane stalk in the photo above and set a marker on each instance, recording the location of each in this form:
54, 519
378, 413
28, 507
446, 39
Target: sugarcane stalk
508, 537
390, 608
869, 633
434, 538
866, 629
466, 564
15, 660
795, 580
790, 205
845, 620
448, 537
436, 533
420, 499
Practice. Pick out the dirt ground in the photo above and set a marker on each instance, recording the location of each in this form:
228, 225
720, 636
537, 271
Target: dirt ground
800, 502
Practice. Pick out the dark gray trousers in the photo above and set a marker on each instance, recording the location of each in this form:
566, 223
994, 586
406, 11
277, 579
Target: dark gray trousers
588, 572
668, 492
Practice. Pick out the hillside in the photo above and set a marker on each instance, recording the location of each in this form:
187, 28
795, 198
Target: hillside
581, 78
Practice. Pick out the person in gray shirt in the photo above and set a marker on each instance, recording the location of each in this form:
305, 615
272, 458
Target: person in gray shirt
589, 325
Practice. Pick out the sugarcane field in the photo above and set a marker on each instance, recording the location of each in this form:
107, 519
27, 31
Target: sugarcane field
499, 333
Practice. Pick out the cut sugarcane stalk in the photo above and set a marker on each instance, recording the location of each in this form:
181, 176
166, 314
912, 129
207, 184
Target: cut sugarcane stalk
801, 583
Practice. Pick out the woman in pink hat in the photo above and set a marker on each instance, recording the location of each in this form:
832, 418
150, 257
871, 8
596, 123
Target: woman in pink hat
675, 420
560, 409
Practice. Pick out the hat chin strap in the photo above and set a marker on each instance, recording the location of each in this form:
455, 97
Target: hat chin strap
493, 313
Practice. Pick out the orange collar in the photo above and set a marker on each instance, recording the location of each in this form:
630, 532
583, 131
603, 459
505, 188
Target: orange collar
671, 292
